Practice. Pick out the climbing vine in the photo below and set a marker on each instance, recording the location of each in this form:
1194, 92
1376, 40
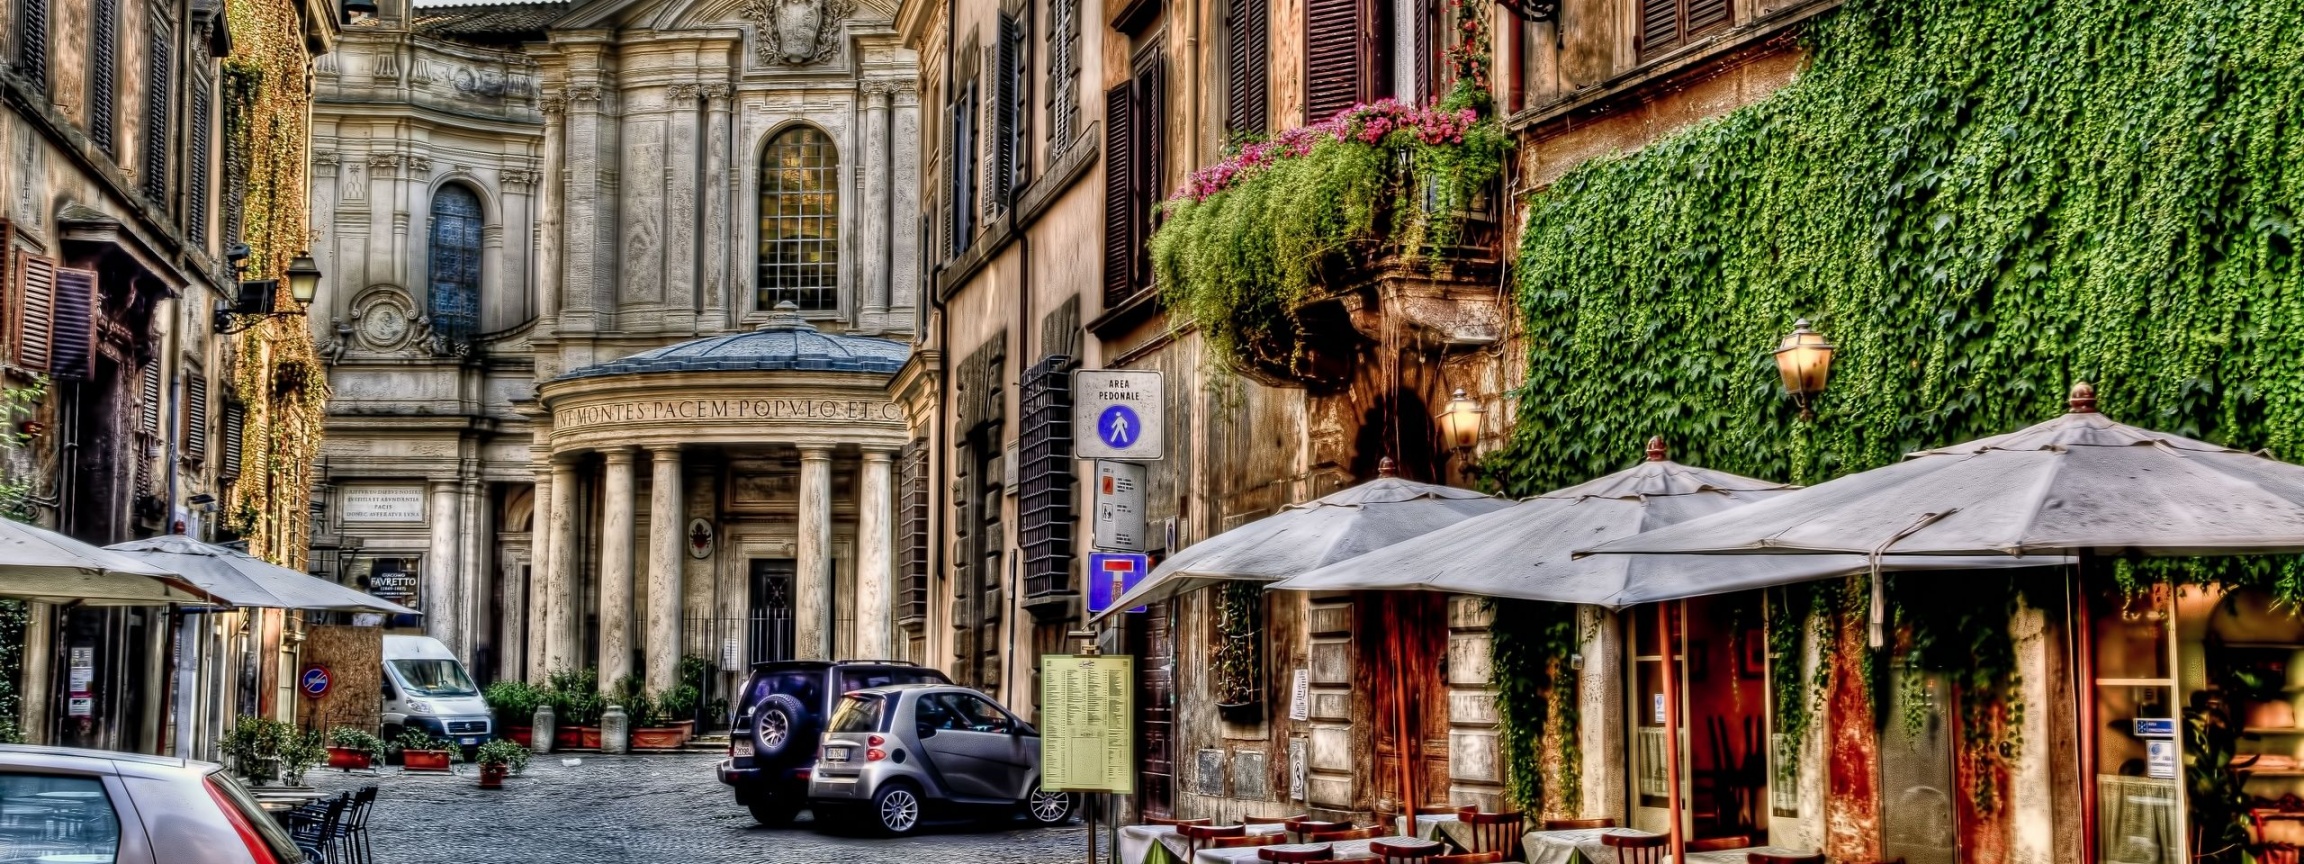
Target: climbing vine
1965, 636
1532, 646
277, 375
1980, 202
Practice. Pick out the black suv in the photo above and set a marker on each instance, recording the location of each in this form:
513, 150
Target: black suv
779, 718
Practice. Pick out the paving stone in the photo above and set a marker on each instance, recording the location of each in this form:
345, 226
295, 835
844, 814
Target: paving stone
651, 809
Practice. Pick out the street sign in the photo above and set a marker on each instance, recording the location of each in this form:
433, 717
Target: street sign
1111, 574
315, 681
1116, 414
1087, 729
1119, 525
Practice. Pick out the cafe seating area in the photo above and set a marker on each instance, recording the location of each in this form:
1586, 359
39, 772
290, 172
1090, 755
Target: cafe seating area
1467, 836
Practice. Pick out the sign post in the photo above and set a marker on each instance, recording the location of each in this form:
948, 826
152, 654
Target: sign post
1118, 414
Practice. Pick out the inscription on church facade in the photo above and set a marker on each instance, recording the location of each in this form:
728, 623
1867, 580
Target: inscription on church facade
675, 410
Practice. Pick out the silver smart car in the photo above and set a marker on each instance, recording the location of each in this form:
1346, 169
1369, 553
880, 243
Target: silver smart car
899, 755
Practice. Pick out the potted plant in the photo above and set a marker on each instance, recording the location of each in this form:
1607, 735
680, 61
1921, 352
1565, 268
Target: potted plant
419, 751
353, 749
299, 753
576, 701
678, 704
254, 745
498, 758
514, 704
687, 695
650, 731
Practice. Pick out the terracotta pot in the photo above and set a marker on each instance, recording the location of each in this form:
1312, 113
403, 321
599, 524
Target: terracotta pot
567, 737
524, 736
424, 760
687, 730
492, 776
350, 759
657, 738
588, 737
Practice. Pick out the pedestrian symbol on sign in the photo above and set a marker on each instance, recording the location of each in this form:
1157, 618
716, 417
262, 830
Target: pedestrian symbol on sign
1118, 427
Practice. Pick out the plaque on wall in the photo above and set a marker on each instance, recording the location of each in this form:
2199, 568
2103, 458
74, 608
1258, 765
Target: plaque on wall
384, 504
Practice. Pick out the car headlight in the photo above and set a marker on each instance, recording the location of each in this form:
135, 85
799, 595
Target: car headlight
419, 706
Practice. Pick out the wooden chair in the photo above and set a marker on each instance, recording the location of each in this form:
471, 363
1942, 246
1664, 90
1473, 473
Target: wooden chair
1716, 844
1494, 832
1197, 837
1290, 855
1304, 826
1406, 850
1357, 859
1245, 841
1162, 820
1578, 824
1772, 858
1272, 820
1470, 858
1637, 848
1365, 832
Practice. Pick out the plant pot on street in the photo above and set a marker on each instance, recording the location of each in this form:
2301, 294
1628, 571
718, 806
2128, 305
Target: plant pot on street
492, 776
524, 736
568, 738
350, 758
687, 730
588, 737
424, 760
658, 738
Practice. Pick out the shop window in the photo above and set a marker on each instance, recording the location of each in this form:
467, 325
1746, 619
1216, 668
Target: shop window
454, 265
799, 257
2134, 775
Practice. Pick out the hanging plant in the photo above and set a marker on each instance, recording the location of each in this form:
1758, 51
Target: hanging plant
1533, 651
1234, 654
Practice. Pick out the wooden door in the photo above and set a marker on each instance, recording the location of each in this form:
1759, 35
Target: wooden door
1150, 642
1403, 645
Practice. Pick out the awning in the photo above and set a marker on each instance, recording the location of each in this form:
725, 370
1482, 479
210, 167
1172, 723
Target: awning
239, 579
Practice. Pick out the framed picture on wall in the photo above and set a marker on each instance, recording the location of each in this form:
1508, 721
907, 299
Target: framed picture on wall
1752, 662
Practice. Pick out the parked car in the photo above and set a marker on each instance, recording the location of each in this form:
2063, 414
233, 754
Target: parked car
905, 754
778, 719
96, 805
426, 687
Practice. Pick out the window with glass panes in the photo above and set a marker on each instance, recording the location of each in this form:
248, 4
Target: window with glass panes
799, 222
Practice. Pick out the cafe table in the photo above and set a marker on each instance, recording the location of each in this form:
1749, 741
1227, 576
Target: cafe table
1444, 827
1578, 846
1739, 856
1247, 855
1160, 844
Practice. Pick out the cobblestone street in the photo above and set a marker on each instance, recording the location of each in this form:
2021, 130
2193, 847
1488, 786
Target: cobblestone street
644, 810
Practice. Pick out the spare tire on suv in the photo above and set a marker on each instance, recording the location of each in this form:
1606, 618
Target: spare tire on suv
779, 725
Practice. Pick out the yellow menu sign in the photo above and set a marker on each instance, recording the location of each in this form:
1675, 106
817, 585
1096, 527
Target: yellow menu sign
1087, 730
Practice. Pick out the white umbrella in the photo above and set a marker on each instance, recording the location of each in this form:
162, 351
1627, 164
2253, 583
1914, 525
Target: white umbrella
240, 579
39, 564
1301, 537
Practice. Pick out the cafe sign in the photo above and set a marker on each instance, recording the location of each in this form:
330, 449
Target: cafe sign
651, 411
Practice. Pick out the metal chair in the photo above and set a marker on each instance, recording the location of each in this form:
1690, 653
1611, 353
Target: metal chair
1405, 850
354, 837
1196, 837
314, 826
1364, 832
1246, 841
1637, 848
1470, 858
1494, 832
1773, 858
1578, 824
1292, 854
1718, 844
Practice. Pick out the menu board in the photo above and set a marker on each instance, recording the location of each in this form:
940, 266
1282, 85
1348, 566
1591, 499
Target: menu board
1087, 733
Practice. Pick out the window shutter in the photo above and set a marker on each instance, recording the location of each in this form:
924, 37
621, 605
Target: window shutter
35, 311
1705, 16
1044, 505
72, 328
1002, 175
1335, 64
195, 435
235, 424
912, 533
196, 167
103, 74
148, 400
1659, 26
1151, 115
1063, 72
32, 42
1426, 48
157, 132
1119, 159
1248, 76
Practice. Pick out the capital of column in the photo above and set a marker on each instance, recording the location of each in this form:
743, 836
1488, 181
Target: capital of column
879, 454
620, 455
718, 92
664, 450
815, 454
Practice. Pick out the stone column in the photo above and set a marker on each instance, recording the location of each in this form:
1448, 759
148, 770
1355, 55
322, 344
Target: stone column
560, 648
471, 567
812, 589
874, 221
511, 629
585, 280
681, 177
616, 524
874, 558
719, 259
536, 613
667, 530
442, 602
549, 192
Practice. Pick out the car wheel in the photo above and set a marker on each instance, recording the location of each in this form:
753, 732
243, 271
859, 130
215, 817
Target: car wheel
777, 727
1048, 808
773, 813
896, 809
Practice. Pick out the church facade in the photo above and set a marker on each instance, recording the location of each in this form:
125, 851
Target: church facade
623, 288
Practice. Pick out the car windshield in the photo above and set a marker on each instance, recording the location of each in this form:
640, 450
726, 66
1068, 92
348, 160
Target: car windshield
806, 685
852, 680
859, 712
435, 678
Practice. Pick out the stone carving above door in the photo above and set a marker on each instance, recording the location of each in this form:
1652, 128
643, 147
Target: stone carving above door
797, 32
384, 319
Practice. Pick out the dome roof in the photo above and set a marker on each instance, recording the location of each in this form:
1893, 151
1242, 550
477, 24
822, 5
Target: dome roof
784, 342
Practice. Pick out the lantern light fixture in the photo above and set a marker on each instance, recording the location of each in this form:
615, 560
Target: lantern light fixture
303, 279
1804, 359
1460, 421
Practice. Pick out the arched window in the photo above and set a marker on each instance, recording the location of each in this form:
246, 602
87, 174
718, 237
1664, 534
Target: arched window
455, 266
800, 221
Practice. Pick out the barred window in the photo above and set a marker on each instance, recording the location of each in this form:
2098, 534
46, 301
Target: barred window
455, 264
800, 221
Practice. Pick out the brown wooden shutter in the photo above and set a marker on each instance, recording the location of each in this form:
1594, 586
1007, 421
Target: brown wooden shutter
32, 42
148, 400
195, 435
196, 167
235, 427
1666, 25
1146, 177
1335, 56
33, 324
1706, 16
72, 327
103, 74
1008, 92
1248, 75
159, 133
1426, 47
1119, 197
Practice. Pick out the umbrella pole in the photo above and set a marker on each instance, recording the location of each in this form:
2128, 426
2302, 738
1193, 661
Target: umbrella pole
1671, 728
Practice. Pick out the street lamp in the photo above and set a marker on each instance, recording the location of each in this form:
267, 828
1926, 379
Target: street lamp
303, 279
257, 301
1460, 421
1805, 361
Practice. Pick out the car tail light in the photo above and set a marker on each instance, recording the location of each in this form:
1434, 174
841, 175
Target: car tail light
875, 754
257, 848
875, 740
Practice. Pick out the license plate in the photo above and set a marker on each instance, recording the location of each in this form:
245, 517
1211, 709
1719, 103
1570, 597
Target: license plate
467, 741
743, 747
835, 754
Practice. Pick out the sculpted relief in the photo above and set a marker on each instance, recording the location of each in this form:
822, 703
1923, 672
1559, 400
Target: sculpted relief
797, 32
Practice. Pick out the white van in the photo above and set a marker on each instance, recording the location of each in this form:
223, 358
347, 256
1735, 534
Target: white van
426, 687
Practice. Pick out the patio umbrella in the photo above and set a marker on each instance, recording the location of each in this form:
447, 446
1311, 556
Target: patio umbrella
1301, 537
237, 578
39, 564
1527, 551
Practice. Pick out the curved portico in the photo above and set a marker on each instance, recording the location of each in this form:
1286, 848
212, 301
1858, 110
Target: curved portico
768, 458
